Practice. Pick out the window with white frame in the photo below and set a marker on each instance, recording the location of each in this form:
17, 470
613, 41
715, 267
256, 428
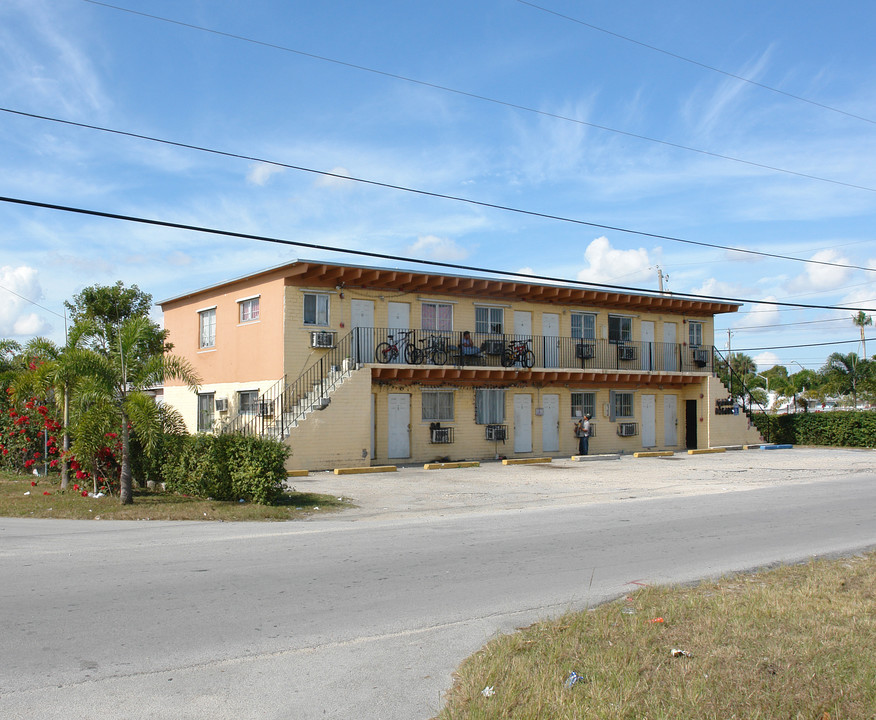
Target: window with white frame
249, 309
621, 405
583, 326
316, 309
695, 330
489, 320
207, 325
437, 406
620, 329
583, 403
247, 402
206, 408
490, 406
437, 316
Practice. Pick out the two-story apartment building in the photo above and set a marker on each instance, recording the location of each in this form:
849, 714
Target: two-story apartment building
356, 365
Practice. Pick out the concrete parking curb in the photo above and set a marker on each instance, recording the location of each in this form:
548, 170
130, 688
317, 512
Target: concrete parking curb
450, 465
525, 461
706, 451
363, 470
653, 453
297, 473
595, 458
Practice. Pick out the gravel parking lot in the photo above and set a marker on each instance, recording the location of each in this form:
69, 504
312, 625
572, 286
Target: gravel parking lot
415, 491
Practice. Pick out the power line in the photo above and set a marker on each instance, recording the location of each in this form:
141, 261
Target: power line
806, 345
484, 98
396, 258
696, 62
783, 325
427, 193
32, 302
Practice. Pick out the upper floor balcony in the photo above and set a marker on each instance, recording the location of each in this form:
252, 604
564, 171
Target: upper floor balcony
431, 348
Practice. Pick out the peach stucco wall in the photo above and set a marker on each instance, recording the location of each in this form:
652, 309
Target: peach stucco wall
242, 350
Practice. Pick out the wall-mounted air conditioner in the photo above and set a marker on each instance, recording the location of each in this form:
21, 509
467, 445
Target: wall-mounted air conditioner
441, 435
626, 352
585, 351
322, 339
493, 347
495, 432
221, 404
627, 429
700, 357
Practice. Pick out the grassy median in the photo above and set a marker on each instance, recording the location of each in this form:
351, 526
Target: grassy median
798, 642
41, 497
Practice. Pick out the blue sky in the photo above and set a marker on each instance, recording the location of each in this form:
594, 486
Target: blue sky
84, 62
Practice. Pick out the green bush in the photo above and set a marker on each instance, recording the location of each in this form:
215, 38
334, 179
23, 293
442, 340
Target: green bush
228, 467
837, 428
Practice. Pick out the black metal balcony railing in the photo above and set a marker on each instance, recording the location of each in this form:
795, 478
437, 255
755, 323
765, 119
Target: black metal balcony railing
433, 347
282, 406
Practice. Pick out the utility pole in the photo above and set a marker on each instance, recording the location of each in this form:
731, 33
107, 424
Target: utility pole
660, 278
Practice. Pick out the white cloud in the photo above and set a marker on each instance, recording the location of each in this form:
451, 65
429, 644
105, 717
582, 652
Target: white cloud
760, 314
260, 173
436, 248
332, 180
606, 263
822, 277
766, 360
17, 317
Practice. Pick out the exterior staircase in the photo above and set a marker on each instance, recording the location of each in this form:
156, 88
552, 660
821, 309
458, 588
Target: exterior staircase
287, 404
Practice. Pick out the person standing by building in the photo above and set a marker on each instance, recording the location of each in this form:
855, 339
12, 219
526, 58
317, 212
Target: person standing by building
582, 432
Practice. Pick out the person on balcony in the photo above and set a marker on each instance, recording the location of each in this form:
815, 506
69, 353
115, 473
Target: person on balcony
467, 346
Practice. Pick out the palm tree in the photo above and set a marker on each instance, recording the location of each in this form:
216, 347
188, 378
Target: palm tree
111, 395
862, 320
842, 372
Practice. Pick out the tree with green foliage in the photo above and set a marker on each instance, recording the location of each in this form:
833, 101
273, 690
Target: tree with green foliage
107, 307
843, 373
116, 366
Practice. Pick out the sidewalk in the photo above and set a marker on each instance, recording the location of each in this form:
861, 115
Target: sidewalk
413, 491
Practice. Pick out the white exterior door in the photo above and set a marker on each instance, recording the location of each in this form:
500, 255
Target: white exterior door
398, 319
522, 423
647, 345
550, 330
362, 317
550, 423
670, 354
670, 420
399, 426
649, 420
523, 323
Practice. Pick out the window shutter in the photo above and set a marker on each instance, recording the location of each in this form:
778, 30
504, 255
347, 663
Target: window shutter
611, 407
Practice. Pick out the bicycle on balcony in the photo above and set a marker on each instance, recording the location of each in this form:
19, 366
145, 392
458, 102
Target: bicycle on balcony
388, 351
433, 351
518, 352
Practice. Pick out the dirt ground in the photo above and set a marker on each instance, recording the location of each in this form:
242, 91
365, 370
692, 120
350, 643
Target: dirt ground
414, 491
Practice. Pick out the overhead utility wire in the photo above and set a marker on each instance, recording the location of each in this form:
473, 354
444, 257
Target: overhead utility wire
696, 62
398, 258
427, 193
788, 347
32, 302
484, 98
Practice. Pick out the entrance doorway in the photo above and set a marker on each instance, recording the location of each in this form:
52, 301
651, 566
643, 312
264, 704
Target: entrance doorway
690, 424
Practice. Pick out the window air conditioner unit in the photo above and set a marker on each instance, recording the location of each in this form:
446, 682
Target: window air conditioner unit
585, 351
627, 429
493, 347
322, 339
495, 432
442, 435
700, 357
626, 352
221, 404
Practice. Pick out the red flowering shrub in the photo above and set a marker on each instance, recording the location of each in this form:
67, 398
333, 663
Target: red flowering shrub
28, 433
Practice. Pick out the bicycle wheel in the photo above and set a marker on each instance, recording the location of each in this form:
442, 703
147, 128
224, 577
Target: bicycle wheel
508, 357
413, 355
439, 357
528, 358
385, 352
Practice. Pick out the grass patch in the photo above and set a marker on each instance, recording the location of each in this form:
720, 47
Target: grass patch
147, 505
792, 643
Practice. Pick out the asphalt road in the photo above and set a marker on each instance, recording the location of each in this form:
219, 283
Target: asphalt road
363, 618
